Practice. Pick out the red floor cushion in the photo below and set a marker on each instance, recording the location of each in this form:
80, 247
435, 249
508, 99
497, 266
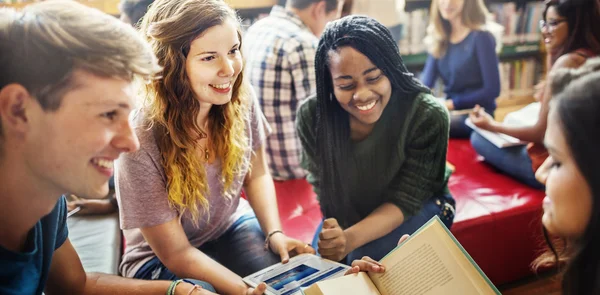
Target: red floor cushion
497, 219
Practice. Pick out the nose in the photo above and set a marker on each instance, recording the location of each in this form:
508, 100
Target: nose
362, 94
542, 173
227, 68
126, 141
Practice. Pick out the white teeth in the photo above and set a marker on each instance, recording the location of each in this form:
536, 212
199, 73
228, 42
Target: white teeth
367, 107
108, 164
221, 86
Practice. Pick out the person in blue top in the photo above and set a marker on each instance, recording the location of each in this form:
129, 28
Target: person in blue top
65, 97
462, 52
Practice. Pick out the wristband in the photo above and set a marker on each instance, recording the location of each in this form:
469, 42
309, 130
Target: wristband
269, 237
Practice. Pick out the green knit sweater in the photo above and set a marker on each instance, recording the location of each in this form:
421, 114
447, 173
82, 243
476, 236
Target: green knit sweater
402, 161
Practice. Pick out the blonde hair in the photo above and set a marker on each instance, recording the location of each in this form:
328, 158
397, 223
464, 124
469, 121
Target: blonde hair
172, 107
44, 43
474, 16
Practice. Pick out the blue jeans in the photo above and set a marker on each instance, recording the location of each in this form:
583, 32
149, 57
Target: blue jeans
240, 249
514, 161
377, 249
458, 128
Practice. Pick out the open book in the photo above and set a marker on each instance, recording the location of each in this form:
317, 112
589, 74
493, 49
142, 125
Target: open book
498, 139
430, 262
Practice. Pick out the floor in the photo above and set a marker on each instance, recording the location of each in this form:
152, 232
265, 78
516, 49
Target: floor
542, 285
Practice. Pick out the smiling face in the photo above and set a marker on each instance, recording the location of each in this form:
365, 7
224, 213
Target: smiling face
72, 149
214, 63
359, 86
555, 29
568, 202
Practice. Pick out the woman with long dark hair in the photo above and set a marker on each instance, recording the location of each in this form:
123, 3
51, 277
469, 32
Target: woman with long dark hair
571, 34
374, 142
572, 205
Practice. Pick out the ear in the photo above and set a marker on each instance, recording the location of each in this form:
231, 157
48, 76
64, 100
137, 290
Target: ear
14, 103
319, 9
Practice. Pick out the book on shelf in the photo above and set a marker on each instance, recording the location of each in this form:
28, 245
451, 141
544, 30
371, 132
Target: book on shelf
429, 262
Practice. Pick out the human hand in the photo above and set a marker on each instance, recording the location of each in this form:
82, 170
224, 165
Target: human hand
368, 264
481, 119
333, 243
92, 207
259, 290
449, 104
284, 245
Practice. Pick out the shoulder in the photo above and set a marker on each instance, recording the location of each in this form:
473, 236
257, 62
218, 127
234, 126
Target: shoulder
483, 36
428, 109
569, 60
148, 150
307, 110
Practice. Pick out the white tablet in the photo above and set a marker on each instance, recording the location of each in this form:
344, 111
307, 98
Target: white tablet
299, 273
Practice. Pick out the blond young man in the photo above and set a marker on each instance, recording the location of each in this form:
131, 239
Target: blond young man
65, 97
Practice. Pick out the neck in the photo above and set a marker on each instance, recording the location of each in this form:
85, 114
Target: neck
306, 17
24, 202
359, 131
202, 118
457, 26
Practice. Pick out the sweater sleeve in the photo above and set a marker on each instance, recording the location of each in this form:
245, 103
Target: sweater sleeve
430, 73
485, 49
305, 120
423, 173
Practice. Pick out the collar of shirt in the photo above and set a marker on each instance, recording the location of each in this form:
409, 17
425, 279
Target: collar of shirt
281, 12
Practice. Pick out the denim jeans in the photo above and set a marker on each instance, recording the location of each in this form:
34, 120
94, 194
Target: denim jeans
514, 161
377, 249
458, 128
240, 249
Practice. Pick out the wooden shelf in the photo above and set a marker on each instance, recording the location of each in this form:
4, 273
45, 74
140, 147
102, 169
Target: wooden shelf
246, 8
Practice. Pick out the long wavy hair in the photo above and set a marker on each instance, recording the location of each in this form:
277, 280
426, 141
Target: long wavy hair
474, 16
577, 104
584, 31
375, 41
172, 107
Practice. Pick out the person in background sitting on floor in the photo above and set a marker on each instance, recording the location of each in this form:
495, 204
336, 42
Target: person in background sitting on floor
571, 35
65, 97
280, 64
132, 11
462, 51
202, 138
374, 142
572, 179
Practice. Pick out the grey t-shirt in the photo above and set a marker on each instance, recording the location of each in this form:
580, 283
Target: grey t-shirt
143, 199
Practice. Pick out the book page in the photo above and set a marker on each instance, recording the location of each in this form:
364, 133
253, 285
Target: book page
356, 284
429, 263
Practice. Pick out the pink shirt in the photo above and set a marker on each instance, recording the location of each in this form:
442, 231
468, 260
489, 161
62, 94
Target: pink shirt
143, 202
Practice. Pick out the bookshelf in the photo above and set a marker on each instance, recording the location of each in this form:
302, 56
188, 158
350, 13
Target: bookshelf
247, 9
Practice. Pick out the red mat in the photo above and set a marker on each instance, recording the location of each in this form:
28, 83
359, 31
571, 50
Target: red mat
497, 220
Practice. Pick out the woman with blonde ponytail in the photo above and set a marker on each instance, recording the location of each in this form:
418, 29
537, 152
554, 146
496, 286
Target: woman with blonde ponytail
201, 135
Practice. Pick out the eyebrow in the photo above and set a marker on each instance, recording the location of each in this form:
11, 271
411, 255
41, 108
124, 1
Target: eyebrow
109, 103
551, 148
347, 77
214, 52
